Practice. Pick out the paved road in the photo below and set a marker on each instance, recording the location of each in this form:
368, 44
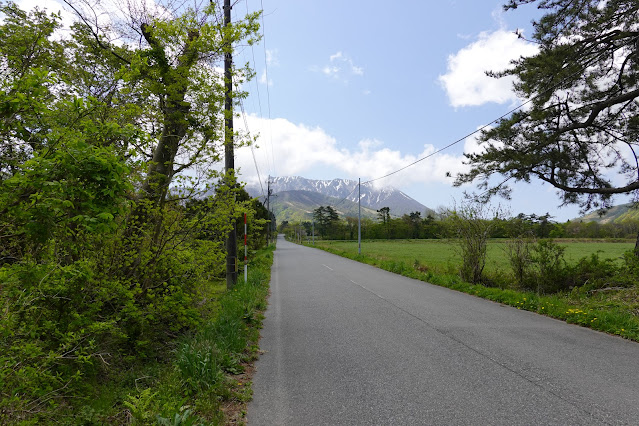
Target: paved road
347, 343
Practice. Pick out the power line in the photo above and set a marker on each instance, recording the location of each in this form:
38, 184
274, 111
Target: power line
484, 126
268, 92
257, 169
257, 85
453, 143
345, 198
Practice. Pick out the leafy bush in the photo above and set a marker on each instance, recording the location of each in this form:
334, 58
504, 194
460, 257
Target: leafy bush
519, 252
541, 267
550, 272
471, 224
594, 272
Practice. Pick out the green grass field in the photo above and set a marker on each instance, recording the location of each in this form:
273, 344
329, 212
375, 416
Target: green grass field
441, 255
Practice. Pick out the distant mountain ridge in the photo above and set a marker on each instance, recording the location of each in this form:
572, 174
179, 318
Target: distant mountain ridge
616, 214
299, 205
297, 197
373, 198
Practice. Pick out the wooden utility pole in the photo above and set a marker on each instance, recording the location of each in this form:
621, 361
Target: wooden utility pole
229, 159
359, 216
268, 209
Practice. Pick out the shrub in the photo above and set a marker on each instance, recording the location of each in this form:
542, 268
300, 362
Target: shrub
519, 252
595, 273
472, 223
550, 273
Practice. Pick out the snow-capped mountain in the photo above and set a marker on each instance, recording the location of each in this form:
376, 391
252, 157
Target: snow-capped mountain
398, 202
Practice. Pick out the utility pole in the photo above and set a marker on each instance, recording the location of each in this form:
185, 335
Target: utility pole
229, 159
245, 250
359, 216
269, 191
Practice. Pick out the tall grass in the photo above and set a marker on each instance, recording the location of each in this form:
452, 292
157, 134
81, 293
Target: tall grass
200, 381
207, 361
224, 344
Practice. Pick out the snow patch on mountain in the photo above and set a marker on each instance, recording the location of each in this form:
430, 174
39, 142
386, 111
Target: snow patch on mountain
371, 197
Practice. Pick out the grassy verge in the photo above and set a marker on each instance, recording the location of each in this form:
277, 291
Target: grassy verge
206, 377
442, 256
614, 311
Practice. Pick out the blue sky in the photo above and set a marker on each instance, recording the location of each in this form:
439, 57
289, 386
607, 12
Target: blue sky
358, 89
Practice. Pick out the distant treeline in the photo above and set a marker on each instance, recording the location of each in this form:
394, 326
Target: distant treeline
327, 225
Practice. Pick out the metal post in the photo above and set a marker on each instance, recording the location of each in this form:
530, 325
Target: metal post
245, 251
313, 232
268, 209
359, 216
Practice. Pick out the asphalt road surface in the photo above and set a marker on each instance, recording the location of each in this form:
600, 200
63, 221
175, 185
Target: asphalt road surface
347, 343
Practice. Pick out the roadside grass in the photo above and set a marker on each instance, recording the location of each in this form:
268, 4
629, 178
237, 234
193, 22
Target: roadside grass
611, 310
203, 379
441, 255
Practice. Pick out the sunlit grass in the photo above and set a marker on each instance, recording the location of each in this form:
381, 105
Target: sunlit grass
200, 374
440, 255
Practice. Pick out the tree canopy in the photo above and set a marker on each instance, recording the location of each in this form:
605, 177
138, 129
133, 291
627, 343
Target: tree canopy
580, 130
325, 217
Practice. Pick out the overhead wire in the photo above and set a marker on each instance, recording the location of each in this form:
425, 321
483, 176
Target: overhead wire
257, 84
552, 88
268, 92
451, 144
248, 132
345, 198
467, 136
246, 126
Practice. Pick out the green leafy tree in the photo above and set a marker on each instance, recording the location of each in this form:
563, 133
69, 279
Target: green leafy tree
414, 223
581, 130
384, 216
325, 218
352, 224
431, 227
89, 285
173, 67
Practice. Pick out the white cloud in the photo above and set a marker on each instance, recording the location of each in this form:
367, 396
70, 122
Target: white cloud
331, 71
51, 6
271, 58
336, 56
340, 67
298, 149
466, 82
264, 80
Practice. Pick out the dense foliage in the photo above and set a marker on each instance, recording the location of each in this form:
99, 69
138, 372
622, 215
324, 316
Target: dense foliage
413, 226
106, 243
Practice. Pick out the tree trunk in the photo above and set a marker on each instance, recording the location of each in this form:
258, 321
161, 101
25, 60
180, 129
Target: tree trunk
175, 111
